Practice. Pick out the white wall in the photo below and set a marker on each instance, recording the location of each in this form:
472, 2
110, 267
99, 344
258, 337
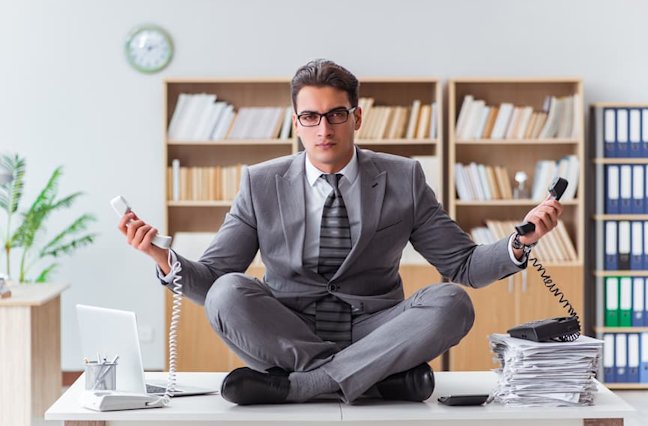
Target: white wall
68, 97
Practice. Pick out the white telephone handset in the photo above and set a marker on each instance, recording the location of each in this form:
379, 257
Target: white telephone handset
114, 400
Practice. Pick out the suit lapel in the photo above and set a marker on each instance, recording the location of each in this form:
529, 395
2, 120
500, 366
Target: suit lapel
372, 193
292, 209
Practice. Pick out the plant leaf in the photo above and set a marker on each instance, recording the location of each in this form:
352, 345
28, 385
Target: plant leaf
11, 193
69, 247
80, 224
45, 273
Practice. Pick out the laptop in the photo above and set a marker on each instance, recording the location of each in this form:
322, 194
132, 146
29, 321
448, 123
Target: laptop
112, 332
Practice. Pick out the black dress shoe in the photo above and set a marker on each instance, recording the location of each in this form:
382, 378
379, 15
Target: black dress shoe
245, 386
415, 384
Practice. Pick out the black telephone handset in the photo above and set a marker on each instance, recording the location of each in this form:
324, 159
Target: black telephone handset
561, 329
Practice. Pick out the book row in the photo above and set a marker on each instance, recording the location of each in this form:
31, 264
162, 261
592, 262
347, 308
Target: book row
558, 119
556, 246
625, 189
625, 302
626, 245
484, 182
625, 132
217, 183
625, 357
417, 121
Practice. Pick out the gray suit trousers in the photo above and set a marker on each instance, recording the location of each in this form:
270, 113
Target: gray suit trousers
265, 333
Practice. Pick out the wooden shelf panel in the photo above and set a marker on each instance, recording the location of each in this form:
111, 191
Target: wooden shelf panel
520, 142
621, 329
637, 273
637, 160
490, 203
626, 386
621, 217
228, 142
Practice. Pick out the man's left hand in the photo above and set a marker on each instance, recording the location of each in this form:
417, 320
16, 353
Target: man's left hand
545, 218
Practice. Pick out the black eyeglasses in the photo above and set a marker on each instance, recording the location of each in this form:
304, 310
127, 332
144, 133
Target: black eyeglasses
337, 116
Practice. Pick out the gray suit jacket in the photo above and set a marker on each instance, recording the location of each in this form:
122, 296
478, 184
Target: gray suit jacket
396, 206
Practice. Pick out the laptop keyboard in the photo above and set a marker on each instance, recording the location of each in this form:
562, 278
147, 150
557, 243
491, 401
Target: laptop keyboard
158, 389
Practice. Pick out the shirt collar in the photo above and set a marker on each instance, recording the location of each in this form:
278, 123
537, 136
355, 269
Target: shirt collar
350, 171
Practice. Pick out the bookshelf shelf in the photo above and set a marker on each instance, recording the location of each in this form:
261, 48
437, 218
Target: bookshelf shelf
192, 213
234, 142
623, 282
518, 142
504, 203
512, 301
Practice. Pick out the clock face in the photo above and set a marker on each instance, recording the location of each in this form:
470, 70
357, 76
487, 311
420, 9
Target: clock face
149, 49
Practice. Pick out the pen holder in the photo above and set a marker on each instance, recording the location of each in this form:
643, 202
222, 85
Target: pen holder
100, 375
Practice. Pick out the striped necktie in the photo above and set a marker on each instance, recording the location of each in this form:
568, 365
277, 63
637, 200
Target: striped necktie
332, 315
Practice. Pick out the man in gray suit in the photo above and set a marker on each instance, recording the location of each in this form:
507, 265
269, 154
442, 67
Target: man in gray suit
331, 224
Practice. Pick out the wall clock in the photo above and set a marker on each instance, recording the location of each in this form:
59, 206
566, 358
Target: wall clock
148, 49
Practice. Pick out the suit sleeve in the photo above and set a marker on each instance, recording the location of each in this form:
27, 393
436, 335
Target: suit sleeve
451, 250
232, 249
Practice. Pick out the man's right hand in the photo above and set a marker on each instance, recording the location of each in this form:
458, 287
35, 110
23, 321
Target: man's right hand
140, 235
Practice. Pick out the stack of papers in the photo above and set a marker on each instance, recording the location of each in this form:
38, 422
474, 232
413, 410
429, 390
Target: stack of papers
551, 374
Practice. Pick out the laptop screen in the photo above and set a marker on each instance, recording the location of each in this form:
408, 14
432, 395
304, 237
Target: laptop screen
110, 332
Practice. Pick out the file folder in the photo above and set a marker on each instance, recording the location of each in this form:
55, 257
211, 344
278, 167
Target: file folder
636, 255
611, 251
625, 239
644, 132
633, 358
638, 189
609, 369
645, 304
612, 193
622, 133
625, 202
634, 132
638, 298
645, 244
643, 373
621, 357
625, 302
611, 302
609, 125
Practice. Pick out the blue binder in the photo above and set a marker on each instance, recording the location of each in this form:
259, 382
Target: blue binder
612, 184
611, 245
643, 360
609, 369
621, 357
625, 245
645, 248
636, 254
634, 360
644, 132
625, 191
638, 189
622, 140
645, 305
609, 132
634, 132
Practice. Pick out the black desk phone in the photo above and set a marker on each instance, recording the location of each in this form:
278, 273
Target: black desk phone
561, 329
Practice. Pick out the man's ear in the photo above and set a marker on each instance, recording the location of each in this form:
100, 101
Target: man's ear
294, 123
357, 113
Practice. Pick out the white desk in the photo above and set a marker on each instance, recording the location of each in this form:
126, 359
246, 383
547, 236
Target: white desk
30, 351
212, 409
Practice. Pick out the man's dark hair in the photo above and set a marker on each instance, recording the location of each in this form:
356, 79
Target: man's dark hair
322, 73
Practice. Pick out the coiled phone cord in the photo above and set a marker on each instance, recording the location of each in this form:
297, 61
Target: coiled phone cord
553, 288
175, 318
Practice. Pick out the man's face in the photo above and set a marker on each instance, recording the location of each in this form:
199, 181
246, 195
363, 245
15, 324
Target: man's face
328, 146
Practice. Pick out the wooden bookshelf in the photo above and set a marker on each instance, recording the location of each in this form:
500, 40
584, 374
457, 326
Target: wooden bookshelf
523, 296
207, 352
598, 217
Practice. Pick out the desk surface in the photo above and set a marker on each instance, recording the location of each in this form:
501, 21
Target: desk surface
215, 408
33, 294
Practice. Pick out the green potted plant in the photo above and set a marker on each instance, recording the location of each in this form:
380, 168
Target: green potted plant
23, 235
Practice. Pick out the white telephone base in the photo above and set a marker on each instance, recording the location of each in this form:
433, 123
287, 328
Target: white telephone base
113, 401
